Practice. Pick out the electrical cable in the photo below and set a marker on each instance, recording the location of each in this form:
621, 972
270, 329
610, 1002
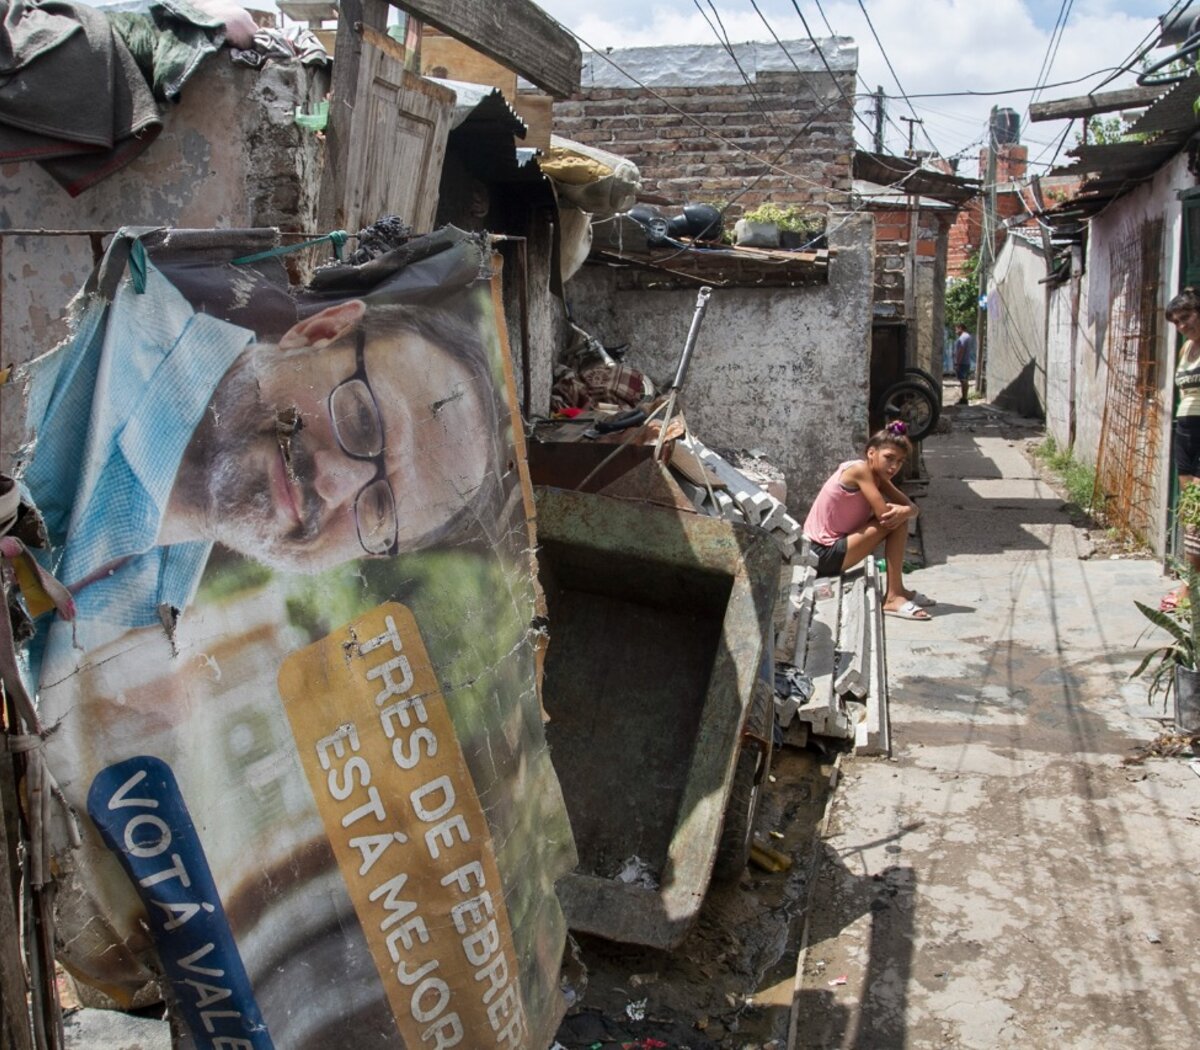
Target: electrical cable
824, 19
821, 53
1141, 47
705, 128
1017, 90
723, 40
1056, 35
892, 70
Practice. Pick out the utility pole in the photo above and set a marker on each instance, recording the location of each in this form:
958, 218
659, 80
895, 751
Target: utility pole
911, 122
878, 114
987, 251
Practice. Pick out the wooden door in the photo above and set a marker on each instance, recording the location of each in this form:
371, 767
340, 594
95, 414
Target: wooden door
397, 140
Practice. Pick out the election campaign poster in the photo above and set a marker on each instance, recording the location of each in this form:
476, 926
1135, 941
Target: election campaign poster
296, 715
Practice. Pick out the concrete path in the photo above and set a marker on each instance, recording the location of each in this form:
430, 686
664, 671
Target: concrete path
1004, 880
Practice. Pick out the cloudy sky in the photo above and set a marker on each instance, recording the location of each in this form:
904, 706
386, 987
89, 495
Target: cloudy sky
935, 46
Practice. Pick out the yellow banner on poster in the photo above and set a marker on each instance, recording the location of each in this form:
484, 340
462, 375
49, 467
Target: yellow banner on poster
405, 824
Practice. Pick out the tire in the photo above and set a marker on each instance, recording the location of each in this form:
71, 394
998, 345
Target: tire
920, 375
912, 402
749, 777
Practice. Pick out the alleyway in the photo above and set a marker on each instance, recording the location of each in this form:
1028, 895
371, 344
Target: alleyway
1004, 880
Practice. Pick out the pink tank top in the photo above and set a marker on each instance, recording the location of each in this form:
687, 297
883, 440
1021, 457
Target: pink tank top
837, 511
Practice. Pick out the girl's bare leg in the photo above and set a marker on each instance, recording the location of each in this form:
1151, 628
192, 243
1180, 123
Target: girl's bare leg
861, 544
893, 552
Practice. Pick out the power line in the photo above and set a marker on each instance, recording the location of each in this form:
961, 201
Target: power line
824, 19
709, 131
891, 68
1060, 25
1142, 46
820, 52
1056, 36
1018, 90
723, 40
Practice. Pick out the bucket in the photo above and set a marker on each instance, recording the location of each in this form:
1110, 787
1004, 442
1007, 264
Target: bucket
1187, 700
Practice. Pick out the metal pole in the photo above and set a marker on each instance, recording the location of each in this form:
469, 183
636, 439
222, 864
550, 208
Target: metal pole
685, 358
879, 114
986, 253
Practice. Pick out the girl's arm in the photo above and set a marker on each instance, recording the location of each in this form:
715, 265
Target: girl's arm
862, 476
894, 495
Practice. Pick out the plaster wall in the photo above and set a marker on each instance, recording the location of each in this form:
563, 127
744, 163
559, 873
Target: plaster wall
781, 370
1016, 329
928, 325
230, 155
1066, 305
1078, 343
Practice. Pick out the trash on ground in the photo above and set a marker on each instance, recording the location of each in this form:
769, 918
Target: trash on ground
636, 872
636, 1010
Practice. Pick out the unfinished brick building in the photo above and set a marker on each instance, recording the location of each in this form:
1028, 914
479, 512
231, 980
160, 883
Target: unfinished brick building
699, 122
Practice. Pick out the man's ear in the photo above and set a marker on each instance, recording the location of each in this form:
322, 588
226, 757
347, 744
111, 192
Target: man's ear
325, 327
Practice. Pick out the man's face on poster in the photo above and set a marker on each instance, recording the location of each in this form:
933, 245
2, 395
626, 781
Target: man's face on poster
341, 443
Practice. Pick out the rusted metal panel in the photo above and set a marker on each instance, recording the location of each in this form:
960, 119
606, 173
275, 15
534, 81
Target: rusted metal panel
658, 622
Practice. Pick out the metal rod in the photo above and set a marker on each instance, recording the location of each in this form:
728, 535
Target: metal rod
625, 443
685, 358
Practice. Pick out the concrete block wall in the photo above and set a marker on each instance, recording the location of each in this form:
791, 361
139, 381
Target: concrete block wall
784, 370
230, 155
702, 161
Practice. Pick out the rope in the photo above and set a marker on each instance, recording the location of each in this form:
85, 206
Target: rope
337, 238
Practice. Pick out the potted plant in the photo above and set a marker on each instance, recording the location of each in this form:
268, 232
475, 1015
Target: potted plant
1175, 668
779, 225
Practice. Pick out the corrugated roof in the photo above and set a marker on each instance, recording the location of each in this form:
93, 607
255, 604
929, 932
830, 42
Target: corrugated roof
482, 104
904, 175
1174, 111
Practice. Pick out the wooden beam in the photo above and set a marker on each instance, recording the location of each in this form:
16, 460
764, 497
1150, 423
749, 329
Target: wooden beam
355, 14
516, 33
1090, 105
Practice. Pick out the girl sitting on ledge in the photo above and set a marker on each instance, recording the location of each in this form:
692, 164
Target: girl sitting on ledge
859, 508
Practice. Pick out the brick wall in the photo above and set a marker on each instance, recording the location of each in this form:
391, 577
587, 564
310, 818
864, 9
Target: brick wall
967, 233
685, 162
891, 253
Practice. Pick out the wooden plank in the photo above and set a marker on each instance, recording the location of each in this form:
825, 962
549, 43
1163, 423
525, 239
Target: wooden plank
310, 11
873, 735
15, 1033
516, 33
852, 676
398, 139
1089, 105
355, 14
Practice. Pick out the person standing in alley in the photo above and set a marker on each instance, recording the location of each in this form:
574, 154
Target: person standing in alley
964, 354
1184, 313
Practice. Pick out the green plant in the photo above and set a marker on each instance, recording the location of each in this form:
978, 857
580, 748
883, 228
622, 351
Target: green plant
962, 295
1187, 507
1180, 651
790, 217
1077, 478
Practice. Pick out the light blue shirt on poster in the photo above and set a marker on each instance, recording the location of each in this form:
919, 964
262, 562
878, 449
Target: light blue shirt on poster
111, 414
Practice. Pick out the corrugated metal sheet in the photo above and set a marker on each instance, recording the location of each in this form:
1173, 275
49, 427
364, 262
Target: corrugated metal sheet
1175, 111
904, 175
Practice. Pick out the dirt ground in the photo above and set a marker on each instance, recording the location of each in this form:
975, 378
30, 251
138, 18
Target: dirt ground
729, 984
